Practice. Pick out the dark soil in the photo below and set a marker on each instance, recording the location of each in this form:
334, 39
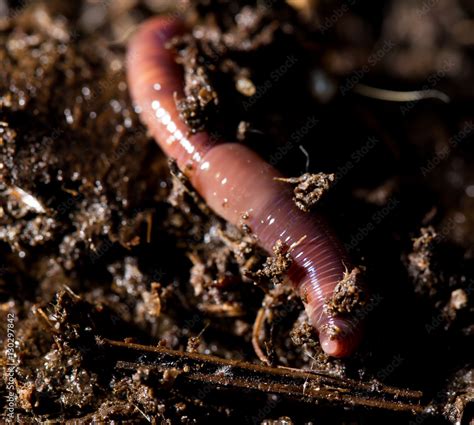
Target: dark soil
100, 241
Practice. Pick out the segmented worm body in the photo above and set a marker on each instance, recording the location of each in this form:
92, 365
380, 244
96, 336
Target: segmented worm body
234, 180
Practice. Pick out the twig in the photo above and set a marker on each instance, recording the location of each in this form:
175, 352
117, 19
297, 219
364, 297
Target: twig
307, 386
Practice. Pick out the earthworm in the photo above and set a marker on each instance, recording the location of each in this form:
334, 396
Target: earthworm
236, 182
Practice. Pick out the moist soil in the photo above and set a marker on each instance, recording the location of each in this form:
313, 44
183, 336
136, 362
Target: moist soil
102, 239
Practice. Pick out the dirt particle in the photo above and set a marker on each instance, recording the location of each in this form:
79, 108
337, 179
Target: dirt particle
420, 261
283, 420
245, 86
458, 302
309, 188
200, 98
303, 334
458, 299
169, 376
275, 267
348, 295
242, 130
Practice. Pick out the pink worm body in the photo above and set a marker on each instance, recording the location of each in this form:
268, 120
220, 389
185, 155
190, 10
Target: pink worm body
234, 180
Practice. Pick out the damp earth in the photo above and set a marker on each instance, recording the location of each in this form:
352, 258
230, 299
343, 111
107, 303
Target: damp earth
130, 300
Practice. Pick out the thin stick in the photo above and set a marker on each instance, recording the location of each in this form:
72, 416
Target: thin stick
306, 386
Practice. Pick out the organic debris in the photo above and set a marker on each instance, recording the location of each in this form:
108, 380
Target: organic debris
309, 188
102, 238
349, 294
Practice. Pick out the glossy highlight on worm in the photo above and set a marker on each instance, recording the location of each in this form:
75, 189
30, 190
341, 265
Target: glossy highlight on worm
234, 180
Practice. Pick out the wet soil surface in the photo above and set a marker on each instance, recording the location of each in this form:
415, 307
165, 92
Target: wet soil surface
103, 240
